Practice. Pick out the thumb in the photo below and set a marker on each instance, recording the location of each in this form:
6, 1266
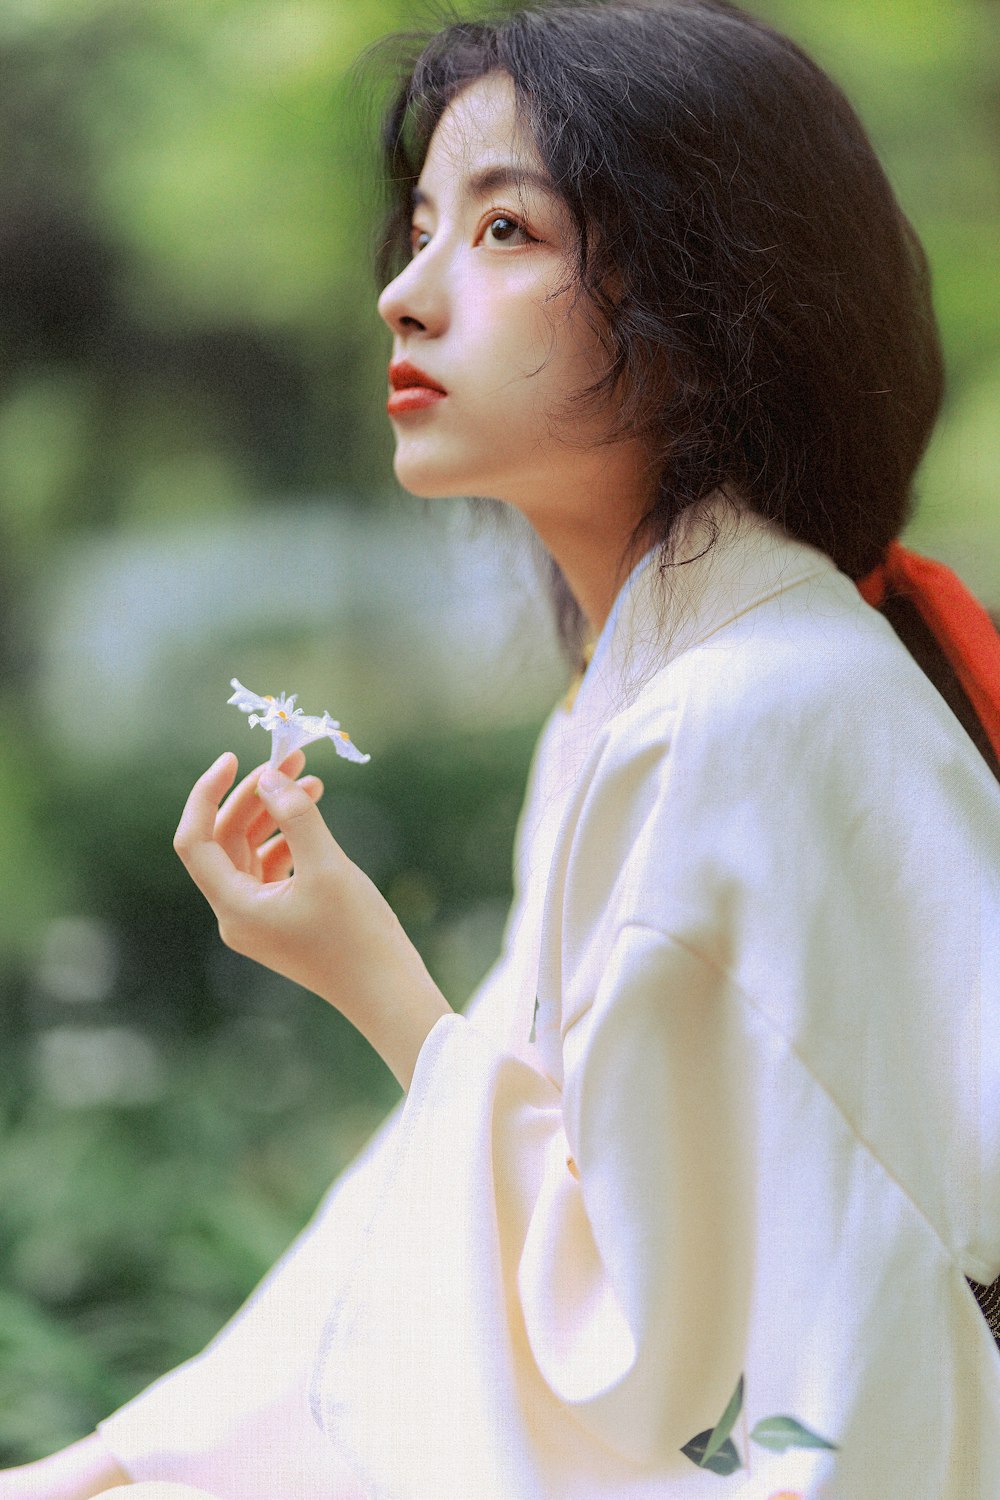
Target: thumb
299, 819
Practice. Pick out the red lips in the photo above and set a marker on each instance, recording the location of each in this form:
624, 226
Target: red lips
411, 389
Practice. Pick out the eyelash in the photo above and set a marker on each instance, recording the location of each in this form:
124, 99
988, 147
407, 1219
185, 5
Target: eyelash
510, 219
492, 218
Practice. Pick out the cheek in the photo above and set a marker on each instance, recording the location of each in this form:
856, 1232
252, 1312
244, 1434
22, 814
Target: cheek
509, 341
528, 367
552, 343
506, 324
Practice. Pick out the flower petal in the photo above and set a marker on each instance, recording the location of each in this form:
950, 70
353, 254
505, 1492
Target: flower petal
346, 747
243, 699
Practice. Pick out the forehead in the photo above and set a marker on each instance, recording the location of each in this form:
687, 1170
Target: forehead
479, 127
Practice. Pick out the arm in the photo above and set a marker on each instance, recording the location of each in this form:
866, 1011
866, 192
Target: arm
79, 1472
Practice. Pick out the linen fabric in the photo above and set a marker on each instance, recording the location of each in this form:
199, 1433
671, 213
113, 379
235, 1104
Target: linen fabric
155, 1490
727, 1108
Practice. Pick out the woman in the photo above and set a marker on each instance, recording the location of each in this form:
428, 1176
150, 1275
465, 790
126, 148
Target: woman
687, 1202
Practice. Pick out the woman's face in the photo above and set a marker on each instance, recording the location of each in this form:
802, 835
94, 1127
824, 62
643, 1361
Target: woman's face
487, 310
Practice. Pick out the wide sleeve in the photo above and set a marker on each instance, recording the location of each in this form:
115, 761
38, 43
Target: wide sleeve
235, 1420
555, 1290
650, 1205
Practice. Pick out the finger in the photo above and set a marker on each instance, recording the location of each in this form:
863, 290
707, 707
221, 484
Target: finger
275, 860
264, 826
209, 789
242, 807
207, 863
300, 820
294, 764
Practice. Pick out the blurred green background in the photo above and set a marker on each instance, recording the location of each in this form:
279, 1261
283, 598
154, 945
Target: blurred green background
195, 472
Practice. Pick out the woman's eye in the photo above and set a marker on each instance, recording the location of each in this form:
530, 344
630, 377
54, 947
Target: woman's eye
419, 238
503, 230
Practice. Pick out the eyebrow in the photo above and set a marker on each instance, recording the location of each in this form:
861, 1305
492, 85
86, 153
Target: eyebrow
480, 184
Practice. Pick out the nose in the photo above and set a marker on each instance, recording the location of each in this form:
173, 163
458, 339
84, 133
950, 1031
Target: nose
414, 302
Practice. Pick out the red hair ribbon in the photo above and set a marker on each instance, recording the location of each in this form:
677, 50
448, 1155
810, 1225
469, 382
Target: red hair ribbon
956, 619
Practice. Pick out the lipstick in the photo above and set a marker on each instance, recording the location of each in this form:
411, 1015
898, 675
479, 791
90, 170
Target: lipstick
412, 389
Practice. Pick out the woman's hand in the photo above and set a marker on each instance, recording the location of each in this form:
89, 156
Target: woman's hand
286, 895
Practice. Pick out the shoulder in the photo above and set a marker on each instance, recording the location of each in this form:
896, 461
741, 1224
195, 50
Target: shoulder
809, 678
797, 745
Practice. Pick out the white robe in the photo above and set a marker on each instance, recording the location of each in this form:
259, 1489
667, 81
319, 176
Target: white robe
754, 1129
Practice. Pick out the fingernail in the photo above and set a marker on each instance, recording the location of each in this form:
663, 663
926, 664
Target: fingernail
271, 779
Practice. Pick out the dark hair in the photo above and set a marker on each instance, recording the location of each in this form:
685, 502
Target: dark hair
765, 301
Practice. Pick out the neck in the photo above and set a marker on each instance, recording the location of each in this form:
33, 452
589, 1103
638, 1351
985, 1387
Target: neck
588, 527
594, 569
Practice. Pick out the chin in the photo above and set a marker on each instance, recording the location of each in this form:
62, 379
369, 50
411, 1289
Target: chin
428, 481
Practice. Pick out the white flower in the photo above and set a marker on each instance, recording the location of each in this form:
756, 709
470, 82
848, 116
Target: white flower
247, 702
289, 727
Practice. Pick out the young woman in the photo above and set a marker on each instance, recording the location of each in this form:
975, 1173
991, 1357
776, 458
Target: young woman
688, 1201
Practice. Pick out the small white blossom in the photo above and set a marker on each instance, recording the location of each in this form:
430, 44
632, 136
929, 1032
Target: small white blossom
248, 702
289, 727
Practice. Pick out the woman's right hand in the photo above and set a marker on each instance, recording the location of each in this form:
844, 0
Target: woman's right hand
79, 1472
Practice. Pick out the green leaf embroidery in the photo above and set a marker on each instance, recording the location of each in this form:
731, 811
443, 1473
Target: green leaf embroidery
725, 1460
781, 1433
716, 1450
724, 1426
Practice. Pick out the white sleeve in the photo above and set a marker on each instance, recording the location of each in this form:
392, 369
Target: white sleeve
553, 1270
235, 1420
657, 1212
